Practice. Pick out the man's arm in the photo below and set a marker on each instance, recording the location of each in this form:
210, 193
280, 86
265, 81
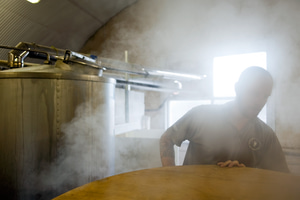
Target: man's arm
167, 154
176, 134
274, 158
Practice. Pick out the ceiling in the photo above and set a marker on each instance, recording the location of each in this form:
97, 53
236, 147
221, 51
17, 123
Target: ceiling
66, 24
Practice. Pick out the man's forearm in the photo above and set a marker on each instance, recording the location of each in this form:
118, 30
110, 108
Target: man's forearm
167, 153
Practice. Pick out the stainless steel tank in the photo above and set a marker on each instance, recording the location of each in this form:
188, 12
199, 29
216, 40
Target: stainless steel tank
56, 130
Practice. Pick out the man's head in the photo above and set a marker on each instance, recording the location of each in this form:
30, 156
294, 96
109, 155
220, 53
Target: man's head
252, 90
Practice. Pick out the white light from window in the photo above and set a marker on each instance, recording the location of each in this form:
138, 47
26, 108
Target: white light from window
33, 1
226, 71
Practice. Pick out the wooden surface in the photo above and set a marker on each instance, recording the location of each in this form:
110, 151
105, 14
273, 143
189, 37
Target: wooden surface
191, 182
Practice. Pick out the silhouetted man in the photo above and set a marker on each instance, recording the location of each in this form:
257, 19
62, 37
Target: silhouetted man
230, 134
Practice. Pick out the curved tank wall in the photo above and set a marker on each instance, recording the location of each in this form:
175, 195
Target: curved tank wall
56, 131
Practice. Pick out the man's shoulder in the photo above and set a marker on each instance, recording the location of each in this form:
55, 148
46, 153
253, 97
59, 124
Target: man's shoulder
264, 130
206, 112
263, 125
208, 108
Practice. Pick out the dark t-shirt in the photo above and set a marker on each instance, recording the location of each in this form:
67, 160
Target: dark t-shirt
214, 139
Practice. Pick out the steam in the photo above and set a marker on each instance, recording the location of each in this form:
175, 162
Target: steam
136, 152
86, 150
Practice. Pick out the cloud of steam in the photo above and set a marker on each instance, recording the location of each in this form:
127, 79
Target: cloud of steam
86, 150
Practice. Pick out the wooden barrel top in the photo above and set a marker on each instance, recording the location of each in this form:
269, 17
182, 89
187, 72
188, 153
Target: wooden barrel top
191, 182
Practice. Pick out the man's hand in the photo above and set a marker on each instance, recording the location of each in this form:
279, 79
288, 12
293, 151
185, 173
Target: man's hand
230, 163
